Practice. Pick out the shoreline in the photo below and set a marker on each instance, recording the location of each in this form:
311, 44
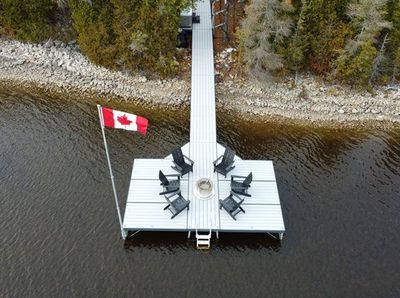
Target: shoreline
55, 67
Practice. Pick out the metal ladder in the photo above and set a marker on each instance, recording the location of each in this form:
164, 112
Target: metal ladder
203, 240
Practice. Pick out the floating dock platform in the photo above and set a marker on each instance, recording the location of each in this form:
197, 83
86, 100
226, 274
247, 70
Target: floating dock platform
145, 207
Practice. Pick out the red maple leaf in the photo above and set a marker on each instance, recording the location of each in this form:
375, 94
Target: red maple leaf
124, 120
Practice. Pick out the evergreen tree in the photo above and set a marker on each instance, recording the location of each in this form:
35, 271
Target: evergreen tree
297, 46
328, 35
154, 35
134, 34
394, 38
319, 35
125, 14
92, 21
265, 26
356, 61
27, 20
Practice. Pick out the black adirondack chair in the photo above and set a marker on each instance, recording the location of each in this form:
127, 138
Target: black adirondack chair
180, 163
231, 204
241, 184
169, 185
225, 162
176, 203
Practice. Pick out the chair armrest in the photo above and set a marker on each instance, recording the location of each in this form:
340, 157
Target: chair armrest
167, 192
237, 176
237, 196
239, 187
179, 167
178, 192
229, 165
215, 161
173, 175
191, 161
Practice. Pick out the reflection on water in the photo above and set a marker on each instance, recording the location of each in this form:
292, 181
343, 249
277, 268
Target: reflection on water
59, 231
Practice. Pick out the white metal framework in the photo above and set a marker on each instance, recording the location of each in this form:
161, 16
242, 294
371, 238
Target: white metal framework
144, 208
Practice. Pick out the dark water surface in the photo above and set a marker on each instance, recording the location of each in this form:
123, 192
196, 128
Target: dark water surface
59, 234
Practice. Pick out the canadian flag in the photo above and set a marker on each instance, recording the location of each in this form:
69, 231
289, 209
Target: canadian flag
118, 119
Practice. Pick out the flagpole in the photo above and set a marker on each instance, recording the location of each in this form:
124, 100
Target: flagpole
111, 172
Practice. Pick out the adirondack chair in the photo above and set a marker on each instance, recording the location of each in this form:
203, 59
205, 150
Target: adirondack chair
224, 163
241, 184
176, 203
180, 164
169, 185
232, 204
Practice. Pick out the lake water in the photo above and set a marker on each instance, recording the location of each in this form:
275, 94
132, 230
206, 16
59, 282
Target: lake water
59, 233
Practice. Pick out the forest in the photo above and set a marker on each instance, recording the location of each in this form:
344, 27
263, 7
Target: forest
356, 42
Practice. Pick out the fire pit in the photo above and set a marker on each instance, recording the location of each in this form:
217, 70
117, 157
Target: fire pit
204, 188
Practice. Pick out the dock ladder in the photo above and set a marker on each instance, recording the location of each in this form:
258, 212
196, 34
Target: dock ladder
203, 240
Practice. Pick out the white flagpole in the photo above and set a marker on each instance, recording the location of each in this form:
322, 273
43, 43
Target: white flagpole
111, 172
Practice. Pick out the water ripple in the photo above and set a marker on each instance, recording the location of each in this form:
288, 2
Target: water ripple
59, 231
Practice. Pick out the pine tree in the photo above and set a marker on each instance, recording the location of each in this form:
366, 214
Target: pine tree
295, 52
356, 61
133, 34
125, 14
319, 35
265, 26
377, 71
27, 20
92, 21
394, 39
154, 35
328, 34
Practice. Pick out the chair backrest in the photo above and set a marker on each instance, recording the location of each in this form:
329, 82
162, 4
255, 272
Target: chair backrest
248, 179
228, 157
163, 179
178, 156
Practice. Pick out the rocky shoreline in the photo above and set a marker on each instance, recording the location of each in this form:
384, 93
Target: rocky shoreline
54, 66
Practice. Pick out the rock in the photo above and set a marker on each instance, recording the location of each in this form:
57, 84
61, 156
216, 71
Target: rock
48, 44
341, 111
